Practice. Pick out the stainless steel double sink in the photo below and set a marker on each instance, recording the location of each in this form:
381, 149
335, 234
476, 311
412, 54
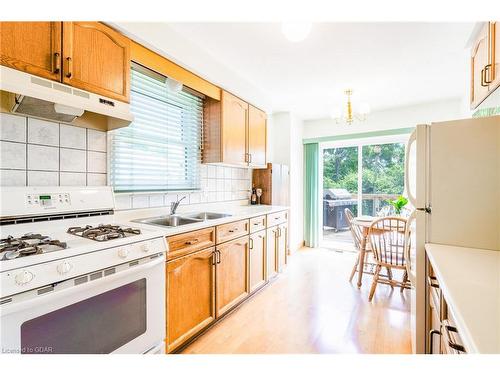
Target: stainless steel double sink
181, 219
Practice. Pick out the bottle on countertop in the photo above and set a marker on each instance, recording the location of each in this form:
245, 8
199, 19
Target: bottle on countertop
253, 198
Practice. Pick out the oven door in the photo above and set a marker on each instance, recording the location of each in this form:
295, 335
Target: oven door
123, 312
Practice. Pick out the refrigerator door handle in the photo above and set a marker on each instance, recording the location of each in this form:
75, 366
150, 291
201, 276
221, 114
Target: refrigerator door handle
427, 210
407, 246
411, 140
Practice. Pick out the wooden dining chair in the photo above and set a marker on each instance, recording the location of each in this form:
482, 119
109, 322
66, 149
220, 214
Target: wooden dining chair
388, 243
357, 237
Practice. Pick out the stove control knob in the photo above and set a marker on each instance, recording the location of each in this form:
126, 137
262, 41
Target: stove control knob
145, 247
64, 267
24, 277
123, 253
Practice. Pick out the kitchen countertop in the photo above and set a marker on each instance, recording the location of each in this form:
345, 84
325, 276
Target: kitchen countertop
470, 281
236, 212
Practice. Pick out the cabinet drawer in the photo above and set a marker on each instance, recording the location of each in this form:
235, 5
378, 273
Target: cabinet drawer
257, 223
277, 218
187, 243
230, 231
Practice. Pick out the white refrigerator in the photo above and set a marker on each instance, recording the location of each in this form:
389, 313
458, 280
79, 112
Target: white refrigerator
452, 180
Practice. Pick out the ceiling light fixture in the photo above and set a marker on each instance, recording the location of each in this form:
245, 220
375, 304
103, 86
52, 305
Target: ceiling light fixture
349, 115
296, 31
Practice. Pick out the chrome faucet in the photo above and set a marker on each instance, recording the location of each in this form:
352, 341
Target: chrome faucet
174, 205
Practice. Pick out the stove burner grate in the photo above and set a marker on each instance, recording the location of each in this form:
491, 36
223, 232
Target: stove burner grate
103, 232
28, 244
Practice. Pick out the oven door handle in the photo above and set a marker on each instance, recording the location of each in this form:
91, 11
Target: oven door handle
46, 298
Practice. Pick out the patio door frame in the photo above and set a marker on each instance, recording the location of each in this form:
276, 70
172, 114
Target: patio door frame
359, 143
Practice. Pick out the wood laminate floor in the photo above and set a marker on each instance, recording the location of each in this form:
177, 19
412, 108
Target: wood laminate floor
312, 308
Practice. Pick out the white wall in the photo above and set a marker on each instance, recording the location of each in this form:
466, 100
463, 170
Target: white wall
394, 118
163, 39
285, 146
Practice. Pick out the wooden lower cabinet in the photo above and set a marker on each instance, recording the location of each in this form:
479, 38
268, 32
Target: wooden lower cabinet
271, 253
190, 296
282, 248
232, 274
257, 260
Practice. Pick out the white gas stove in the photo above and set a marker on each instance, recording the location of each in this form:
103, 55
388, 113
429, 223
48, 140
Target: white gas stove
72, 279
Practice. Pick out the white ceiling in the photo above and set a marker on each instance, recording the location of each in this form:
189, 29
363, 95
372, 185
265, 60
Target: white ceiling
386, 64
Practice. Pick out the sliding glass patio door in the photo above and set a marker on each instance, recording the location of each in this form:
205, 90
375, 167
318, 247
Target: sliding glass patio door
361, 175
382, 176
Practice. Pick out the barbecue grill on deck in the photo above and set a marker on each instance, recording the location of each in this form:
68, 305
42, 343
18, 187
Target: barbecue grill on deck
335, 201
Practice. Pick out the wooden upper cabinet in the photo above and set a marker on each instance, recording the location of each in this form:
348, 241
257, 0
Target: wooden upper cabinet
96, 58
479, 59
234, 132
495, 55
257, 128
32, 47
234, 120
190, 296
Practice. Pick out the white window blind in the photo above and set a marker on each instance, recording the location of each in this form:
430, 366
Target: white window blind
160, 149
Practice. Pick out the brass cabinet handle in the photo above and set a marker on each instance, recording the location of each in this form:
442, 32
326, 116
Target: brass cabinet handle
430, 280
432, 332
69, 74
192, 242
57, 62
217, 253
250, 243
233, 230
482, 79
450, 343
214, 257
486, 70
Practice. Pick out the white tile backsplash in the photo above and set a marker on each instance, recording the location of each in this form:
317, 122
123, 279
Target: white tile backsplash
43, 132
42, 178
140, 201
73, 160
73, 137
43, 158
12, 155
97, 179
37, 152
156, 200
72, 179
33, 145
12, 128
12, 177
96, 140
96, 162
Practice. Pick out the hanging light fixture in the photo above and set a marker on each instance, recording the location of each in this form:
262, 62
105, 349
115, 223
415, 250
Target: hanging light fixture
349, 116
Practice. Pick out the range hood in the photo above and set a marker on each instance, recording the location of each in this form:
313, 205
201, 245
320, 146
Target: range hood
34, 96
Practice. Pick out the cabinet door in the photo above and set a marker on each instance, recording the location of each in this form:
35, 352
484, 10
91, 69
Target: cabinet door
257, 260
272, 252
97, 59
479, 59
234, 120
32, 47
282, 246
231, 274
257, 128
190, 296
495, 55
